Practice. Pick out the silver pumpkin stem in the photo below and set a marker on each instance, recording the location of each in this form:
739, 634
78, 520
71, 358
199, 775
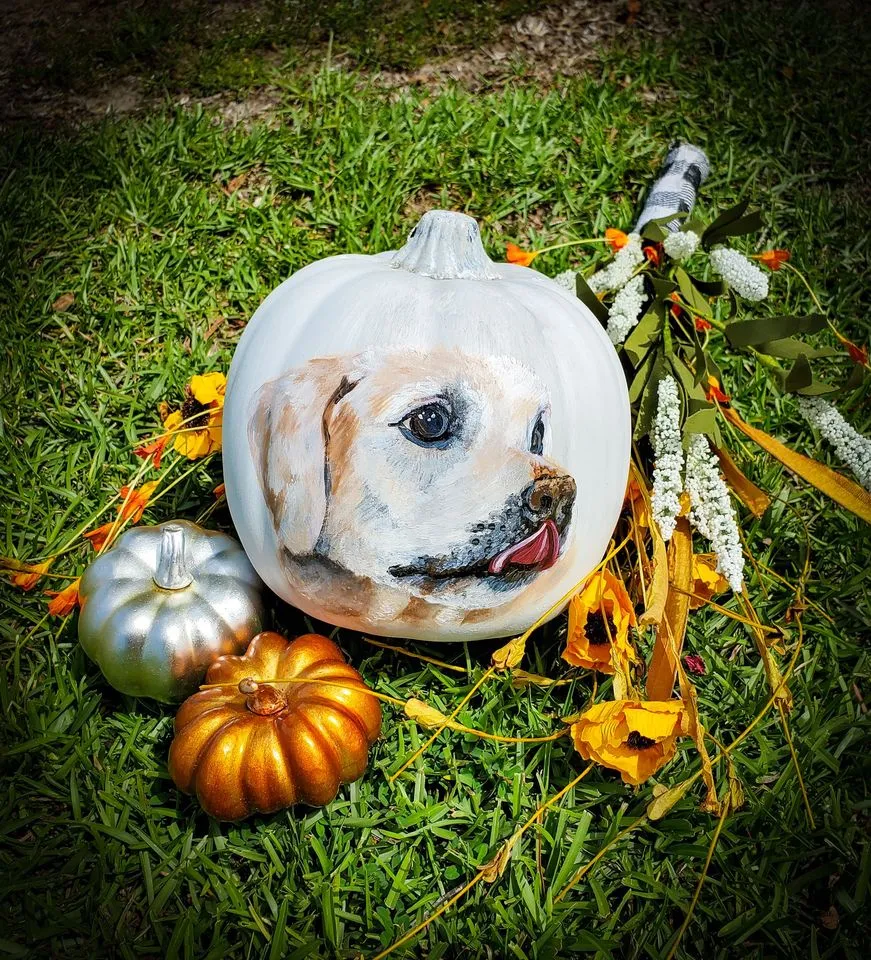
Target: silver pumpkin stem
172, 570
446, 246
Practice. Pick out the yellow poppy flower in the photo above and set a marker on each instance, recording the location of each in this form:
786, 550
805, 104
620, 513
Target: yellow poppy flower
599, 620
706, 579
198, 423
634, 737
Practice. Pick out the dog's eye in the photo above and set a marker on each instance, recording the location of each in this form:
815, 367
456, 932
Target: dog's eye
428, 426
536, 441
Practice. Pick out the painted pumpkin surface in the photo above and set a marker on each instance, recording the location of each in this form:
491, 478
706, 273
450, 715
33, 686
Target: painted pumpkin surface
251, 746
424, 443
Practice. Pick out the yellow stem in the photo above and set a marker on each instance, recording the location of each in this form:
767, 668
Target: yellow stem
119, 522
233, 685
498, 738
179, 428
725, 752
702, 878
810, 290
482, 873
590, 864
416, 656
485, 676
570, 243
425, 923
788, 735
786, 583
724, 611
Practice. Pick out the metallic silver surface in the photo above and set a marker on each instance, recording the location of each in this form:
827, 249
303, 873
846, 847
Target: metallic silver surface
153, 641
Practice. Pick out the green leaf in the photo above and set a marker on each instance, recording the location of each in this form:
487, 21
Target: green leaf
750, 332
856, 378
649, 397
699, 359
640, 378
590, 300
702, 421
687, 380
817, 388
710, 288
800, 376
789, 349
662, 287
693, 224
735, 228
726, 217
646, 333
690, 294
653, 231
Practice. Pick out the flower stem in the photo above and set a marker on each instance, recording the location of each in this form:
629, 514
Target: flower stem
484, 677
571, 243
700, 884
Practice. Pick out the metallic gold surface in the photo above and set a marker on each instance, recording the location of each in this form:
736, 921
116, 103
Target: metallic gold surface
270, 745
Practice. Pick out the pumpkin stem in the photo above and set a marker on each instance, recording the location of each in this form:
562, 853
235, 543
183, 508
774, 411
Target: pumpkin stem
172, 570
446, 246
261, 698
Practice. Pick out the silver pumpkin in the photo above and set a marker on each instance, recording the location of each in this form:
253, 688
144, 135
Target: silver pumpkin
163, 604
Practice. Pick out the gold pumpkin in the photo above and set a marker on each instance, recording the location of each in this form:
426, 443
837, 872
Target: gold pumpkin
249, 746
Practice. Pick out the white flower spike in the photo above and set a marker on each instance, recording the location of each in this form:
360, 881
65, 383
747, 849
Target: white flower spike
681, 245
668, 465
620, 269
567, 280
744, 277
711, 510
626, 309
849, 444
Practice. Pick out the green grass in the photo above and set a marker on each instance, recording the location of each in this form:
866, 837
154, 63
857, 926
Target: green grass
100, 854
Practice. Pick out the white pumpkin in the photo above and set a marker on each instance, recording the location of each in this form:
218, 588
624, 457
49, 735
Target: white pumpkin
424, 443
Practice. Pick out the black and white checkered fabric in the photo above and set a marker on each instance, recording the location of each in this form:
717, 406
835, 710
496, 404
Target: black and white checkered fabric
685, 169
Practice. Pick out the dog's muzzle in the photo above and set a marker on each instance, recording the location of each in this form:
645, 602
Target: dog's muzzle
522, 539
547, 505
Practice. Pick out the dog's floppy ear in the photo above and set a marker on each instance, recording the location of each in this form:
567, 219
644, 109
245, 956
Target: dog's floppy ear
286, 433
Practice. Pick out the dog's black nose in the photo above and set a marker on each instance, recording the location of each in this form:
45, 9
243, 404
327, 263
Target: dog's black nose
550, 497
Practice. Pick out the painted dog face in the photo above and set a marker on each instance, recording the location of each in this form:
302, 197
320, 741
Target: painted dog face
426, 471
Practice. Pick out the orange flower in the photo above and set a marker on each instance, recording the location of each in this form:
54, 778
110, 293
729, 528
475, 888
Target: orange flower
702, 324
220, 491
857, 354
714, 392
28, 578
137, 501
154, 449
616, 239
515, 254
132, 510
773, 259
706, 580
599, 620
100, 535
634, 737
197, 425
653, 252
65, 601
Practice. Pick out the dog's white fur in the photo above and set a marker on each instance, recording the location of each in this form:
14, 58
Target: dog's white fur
352, 498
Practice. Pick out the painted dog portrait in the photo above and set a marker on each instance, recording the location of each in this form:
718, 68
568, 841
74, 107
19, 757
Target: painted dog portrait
418, 481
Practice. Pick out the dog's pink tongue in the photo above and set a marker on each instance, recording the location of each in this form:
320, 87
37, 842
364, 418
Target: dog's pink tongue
539, 549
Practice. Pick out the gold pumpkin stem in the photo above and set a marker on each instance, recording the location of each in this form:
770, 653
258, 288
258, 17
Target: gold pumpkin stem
261, 698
